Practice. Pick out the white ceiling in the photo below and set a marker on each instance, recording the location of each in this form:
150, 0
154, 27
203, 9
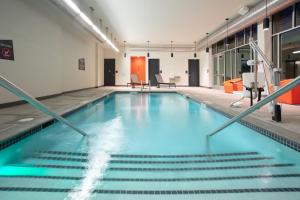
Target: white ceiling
160, 21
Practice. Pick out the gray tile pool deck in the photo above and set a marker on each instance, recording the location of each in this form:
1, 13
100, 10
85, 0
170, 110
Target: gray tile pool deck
10, 126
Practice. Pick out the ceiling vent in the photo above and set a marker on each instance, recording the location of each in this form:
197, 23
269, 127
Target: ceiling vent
244, 10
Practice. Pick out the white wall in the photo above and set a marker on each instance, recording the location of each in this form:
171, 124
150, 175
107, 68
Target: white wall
170, 67
264, 41
206, 69
47, 46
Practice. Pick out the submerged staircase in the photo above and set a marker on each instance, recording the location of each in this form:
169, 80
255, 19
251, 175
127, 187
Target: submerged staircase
211, 176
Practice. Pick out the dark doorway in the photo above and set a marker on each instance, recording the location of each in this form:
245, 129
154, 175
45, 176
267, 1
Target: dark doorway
194, 73
153, 68
109, 72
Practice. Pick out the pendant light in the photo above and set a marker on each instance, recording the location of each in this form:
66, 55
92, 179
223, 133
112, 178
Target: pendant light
207, 48
195, 54
266, 22
100, 24
124, 49
148, 54
226, 41
172, 49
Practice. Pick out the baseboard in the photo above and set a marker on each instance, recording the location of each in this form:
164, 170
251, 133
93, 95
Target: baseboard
16, 103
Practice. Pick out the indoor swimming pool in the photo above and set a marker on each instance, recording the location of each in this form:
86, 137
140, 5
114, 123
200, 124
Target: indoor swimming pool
148, 146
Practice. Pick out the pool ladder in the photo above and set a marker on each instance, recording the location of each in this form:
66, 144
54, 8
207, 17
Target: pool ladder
36, 104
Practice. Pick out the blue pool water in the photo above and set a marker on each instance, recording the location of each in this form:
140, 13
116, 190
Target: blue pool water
149, 146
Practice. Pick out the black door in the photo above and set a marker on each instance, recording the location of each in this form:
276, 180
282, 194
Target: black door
194, 72
153, 68
109, 72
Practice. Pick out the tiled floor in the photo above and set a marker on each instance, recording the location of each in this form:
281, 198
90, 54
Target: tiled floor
10, 126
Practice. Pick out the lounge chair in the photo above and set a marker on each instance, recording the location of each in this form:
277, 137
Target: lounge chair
160, 81
134, 80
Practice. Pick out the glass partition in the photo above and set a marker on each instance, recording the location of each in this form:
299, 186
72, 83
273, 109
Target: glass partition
297, 14
254, 32
231, 42
290, 54
214, 49
247, 34
240, 38
221, 46
242, 56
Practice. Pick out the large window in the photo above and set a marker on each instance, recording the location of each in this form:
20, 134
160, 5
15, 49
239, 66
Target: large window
242, 56
283, 20
275, 50
231, 42
254, 31
230, 61
297, 16
214, 48
290, 54
221, 46
240, 38
286, 41
247, 34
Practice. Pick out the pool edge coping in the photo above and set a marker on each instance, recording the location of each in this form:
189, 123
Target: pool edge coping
47, 122
248, 121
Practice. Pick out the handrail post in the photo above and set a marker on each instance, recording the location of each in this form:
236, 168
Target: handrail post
35, 103
269, 98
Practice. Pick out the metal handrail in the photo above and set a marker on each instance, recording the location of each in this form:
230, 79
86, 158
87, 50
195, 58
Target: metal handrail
269, 98
35, 103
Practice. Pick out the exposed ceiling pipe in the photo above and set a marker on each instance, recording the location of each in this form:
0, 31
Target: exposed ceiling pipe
255, 15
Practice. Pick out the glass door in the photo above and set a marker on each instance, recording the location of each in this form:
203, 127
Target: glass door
228, 66
216, 70
219, 65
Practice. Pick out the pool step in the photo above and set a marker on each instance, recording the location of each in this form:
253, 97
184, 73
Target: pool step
152, 156
131, 174
155, 192
216, 178
144, 184
144, 169
72, 159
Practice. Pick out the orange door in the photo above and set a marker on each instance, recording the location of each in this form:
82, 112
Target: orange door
138, 67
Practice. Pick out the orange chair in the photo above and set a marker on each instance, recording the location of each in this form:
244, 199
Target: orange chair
233, 85
290, 97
